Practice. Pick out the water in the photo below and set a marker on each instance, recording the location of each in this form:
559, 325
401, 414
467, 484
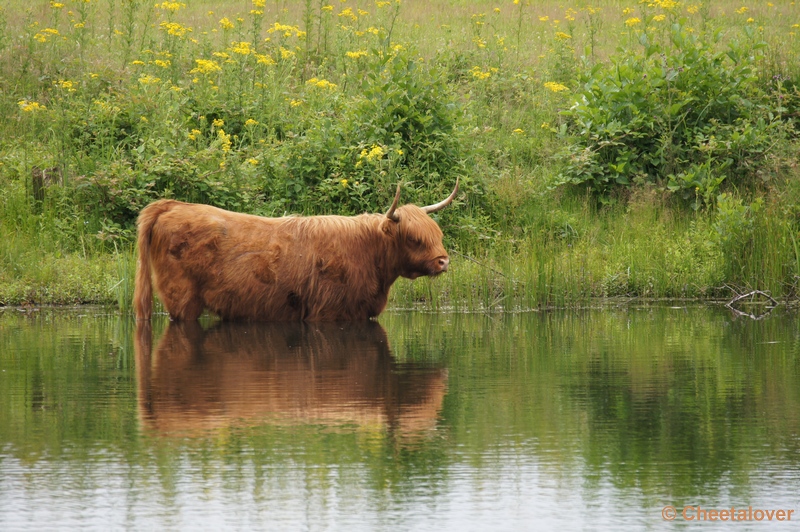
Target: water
589, 420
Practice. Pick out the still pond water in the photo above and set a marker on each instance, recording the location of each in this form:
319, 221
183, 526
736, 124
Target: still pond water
581, 420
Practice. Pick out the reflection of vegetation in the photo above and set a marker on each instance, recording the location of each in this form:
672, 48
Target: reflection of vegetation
666, 402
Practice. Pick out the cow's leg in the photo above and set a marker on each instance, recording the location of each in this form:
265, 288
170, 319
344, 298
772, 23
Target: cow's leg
181, 299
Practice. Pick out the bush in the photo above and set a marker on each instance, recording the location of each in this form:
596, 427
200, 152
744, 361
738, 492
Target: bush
687, 116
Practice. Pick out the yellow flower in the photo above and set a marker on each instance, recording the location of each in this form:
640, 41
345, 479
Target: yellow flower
170, 6
693, 9
67, 85
659, 18
241, 48
544, 18
218, 122
173, 28
286, 54
633, 21
348, 12
225, 140
253, 161
343, 182
518, 131
250, 122
477, 73
143, 119
741, 11
356, 54
296, 103
226, 23
205, 66
561, 36
321, 83
193, 134
56, 5
327, 8
627, 11
374, 153
556, 87
137, 62
497, 10
149, 80
751, 19
259, 3
162, 63
29, 107
265, 59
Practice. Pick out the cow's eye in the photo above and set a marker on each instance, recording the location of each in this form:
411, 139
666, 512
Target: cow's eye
414, 241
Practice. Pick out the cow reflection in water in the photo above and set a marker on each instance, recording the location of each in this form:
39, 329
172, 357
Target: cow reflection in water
238, 374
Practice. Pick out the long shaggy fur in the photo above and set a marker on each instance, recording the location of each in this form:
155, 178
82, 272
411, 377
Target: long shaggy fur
244, 267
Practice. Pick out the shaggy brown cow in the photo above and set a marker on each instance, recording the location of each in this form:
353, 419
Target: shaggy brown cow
249, 374
315, 268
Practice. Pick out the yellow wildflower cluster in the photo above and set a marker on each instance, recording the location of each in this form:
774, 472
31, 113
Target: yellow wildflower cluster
663, 4
286, 53
357, 54
226, 23
633, 21
250, 122
478, 73
693, 9
555, 86
479, 42
264, 59
225, 140
373, 154
241, 48
173, 28
67, 85
741, 11
570, 14
217, 122
327, 8
259, 3
170, 6
321, 83
561, 36
286, 30
147, 79
205, 66
194, 134
56, 5
29, 107
163, 63
45, 34
348, 13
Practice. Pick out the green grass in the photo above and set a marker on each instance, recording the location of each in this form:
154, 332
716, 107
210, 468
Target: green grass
111, 92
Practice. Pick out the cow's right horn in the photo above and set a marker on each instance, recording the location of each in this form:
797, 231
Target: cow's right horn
442, 204
390, 213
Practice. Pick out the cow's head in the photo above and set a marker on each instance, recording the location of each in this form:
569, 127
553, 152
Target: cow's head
418, 237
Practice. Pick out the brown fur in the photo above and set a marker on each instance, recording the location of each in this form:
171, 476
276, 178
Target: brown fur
244, 267
238, 374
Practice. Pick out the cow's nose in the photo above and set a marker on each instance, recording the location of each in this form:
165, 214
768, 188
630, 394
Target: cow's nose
443, 263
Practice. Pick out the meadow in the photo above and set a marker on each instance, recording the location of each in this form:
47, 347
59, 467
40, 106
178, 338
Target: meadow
642, 149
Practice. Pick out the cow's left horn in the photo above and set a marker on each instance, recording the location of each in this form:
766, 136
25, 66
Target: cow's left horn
390, 213
442, 204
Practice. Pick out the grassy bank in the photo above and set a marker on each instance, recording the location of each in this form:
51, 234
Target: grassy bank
618, 148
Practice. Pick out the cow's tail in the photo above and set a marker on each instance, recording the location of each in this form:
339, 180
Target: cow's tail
143, 291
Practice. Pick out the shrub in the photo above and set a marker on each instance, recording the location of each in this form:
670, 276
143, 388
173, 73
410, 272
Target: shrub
688, 116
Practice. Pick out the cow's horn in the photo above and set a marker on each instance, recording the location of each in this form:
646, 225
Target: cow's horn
390, 213
442, 204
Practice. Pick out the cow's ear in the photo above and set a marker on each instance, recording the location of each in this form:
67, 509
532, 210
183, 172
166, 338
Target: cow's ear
389, 226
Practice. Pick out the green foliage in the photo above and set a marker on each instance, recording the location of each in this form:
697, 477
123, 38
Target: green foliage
688, 115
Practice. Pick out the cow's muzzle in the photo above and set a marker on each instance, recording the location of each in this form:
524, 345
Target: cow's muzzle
440, 265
